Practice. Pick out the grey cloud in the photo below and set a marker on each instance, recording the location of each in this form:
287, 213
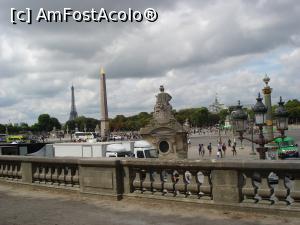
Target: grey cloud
196, 48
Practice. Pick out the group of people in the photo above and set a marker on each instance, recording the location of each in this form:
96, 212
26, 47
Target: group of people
221, 149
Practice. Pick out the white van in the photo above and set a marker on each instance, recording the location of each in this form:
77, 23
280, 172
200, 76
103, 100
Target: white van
143, 149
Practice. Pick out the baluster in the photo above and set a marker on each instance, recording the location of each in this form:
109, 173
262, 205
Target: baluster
188, 177
178, 184
280, 189
168, 185
256, 181
205, 189
289, 184
10, 171
19, 172
42, 175
156, 184
272, 182
68, 177
137, 182
36, 174
15, 172
54, 177
75, 178
154, 176
61, 176
1, 169
48, 176
5, 171
295, 190
192, 187
163, 179
248, 190
147, 181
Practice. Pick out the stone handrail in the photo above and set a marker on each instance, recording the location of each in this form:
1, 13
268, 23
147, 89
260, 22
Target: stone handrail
241, 183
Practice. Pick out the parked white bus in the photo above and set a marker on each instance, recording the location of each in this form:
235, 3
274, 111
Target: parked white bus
84, 136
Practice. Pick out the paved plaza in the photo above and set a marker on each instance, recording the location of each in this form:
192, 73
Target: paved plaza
242, 153
26, 206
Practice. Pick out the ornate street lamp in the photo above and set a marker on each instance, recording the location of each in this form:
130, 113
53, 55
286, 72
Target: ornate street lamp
260, 111
239, 119
281, 115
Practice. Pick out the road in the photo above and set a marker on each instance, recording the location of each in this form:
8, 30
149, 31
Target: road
26, 206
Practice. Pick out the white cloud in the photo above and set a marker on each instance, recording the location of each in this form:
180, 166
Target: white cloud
196, 49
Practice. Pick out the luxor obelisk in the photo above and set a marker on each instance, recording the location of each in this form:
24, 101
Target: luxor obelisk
103, 107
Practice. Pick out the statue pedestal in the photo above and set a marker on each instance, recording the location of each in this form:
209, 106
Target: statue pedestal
164, 132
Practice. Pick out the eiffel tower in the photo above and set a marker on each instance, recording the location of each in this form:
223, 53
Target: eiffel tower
73, 113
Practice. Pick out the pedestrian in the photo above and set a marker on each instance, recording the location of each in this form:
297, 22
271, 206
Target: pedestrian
224, 148
200, 149
229, 142
203, 150
220, 148
209, 149
218, 154
234, 149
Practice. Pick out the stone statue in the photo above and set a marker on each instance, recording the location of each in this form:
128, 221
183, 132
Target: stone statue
167, 135
163, 109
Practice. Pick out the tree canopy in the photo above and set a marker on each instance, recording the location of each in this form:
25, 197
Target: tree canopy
197, 117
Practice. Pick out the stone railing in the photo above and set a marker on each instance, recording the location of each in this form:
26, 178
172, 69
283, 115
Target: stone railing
165, 178
250, 184
10, 170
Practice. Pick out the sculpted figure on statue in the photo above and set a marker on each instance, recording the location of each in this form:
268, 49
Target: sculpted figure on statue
162, 108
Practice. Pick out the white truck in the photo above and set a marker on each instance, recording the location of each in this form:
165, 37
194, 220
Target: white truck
143, 149
137, 149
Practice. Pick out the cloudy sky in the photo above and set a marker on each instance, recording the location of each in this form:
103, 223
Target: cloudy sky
195, 48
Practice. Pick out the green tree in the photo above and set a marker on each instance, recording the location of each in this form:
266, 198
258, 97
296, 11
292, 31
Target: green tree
44, 122
54, 123
2, 128
223, 114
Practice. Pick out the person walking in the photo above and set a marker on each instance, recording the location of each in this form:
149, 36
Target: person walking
234, 149
203, 150
229, 142
224, 149
220, 148
218, 154
209, 147
200, 149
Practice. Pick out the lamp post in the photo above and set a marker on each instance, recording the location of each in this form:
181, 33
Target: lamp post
240, 123
260, 111
219, 132
251, 124
239, 119
281, 115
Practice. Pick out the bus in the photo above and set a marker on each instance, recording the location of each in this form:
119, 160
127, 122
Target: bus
84, 136
16, 139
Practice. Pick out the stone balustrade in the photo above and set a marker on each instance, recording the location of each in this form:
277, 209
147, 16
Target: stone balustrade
248, 184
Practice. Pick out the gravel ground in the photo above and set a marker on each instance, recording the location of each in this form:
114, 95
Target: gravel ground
24, 205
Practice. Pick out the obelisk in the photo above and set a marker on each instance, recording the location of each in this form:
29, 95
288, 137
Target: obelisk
104, 126
267, 90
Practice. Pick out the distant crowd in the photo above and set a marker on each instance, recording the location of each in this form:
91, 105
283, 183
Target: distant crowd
222, 148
